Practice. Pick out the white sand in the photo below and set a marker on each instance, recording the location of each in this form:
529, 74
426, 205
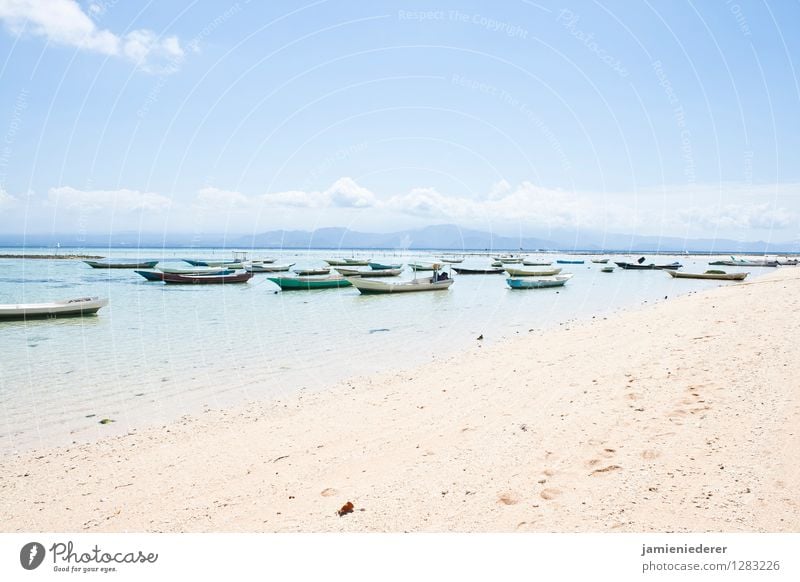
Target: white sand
681, 416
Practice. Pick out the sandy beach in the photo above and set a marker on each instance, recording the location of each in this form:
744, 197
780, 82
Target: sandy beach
679, 416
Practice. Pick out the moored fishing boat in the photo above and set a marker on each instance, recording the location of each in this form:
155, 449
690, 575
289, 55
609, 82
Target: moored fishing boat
368, 287
717, 275
570, 261
536, 263
266, 268
424, 266
514, 272
600, 261
69, 308
335, 262
243, 277
133, 264
384, 266
650, 266
746, 263
609, 269
347, 272
309, 283
479, 271
453, 260
196, 270
357, 262
538, 283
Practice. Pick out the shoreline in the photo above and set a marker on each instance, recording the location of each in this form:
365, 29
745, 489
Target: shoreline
597, 425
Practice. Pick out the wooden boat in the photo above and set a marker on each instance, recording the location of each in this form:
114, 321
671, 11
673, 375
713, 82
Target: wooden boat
368, 287
308, 283
122, 265
718, 275
356, 262
536, 263
210, 262
336, 262
196, 271
532, 272
746, 263
368, 272
610, 269
538, 283
651, 266
497, 263
384, 266
486, 271
69, 308
151, 275
570, 262
312, 272
206, 279
788, 262
453, 260
600, 261
262, 268
512, 261
424, 266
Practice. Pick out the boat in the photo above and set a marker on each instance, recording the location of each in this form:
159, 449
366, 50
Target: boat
424, 266
512, 261
570, 261
368, 287
651, 266
243, 277
196, 271
718, 275
509, 259
151, 275
211, 262
788, 262
610, 269
497, 263
383, 266
532, 272
312, 272
538, 283
356, 262
454, 260
134, 264
307, 283
368, 272
69, 308
600, 261
485, 271
536, 263
336, 262
262, 268
734, 262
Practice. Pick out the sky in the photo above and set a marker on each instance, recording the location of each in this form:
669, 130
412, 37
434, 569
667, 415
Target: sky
673, 118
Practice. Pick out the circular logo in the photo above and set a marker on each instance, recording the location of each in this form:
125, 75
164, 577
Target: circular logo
31, 555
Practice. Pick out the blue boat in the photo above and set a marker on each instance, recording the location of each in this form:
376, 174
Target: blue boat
383, 267
537, 282
569, 262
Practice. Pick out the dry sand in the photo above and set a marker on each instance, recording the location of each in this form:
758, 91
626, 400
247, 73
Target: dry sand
679, 416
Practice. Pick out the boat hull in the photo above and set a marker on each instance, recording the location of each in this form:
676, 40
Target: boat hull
69, 308
468, 271
268, 268
713, 276
206, 279
368, 287
384, 267
308, 284
650, 267
567, 262
140, 265
526, 283
532, 273
369, 273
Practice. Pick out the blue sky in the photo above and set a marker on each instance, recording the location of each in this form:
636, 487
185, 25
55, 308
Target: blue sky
673, 118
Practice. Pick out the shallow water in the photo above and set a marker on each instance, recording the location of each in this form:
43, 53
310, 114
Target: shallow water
159, 351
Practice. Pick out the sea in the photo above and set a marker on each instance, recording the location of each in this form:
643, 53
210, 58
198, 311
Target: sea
158, 352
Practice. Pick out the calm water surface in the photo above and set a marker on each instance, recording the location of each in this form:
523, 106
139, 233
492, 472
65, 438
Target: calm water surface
159, 351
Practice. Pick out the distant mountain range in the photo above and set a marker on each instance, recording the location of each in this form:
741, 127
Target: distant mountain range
440, 237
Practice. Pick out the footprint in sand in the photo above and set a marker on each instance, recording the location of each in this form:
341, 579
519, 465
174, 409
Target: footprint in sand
608, 469
608, 453
649, 455
329, 492
507, 499
550, 494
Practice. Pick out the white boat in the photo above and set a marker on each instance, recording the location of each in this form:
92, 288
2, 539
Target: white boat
266, 268
610, 269
367, 286
68, 308
453, 260
536, 263
514, 272
538, 283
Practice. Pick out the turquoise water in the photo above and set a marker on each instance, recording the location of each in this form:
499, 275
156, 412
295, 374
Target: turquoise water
159, 351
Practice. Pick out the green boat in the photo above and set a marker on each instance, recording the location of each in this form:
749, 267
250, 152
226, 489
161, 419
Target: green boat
306, 283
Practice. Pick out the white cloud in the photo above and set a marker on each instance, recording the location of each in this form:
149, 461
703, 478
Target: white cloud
63, 22
214, 198
6, 199
294, 199
429, 202
117, 200
764, 216
346, 193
